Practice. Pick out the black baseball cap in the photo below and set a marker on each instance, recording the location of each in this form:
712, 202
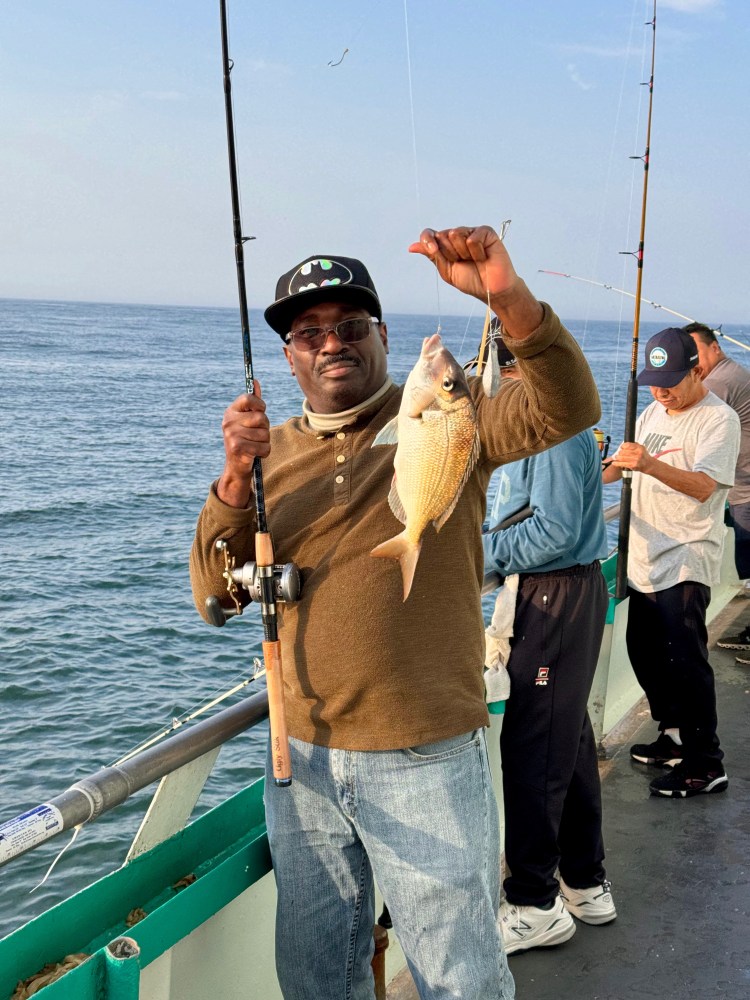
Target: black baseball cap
321, 279
504, 356
670, 355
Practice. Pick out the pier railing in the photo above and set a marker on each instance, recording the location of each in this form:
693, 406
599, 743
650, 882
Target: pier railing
190, 752
183, 761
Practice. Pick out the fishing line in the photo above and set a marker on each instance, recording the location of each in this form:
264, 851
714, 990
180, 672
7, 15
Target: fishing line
351, 42
76, 831
629, 221
610, 162
716, 330
416, 158
411, 107
620, 321
192, 714
468, 324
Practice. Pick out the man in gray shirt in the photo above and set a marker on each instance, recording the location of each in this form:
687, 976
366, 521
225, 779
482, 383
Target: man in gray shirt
731, 382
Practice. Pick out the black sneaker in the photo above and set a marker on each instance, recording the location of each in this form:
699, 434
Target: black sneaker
663, 752
741, 641
744, 660
684, 781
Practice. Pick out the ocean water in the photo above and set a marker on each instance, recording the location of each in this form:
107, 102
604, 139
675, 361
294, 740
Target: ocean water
110, 435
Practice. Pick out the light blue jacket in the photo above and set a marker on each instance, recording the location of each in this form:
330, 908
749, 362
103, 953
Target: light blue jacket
563, 487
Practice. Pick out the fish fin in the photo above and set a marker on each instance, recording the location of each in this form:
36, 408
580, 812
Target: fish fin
471, 462
399, 547
387, 434
394, 502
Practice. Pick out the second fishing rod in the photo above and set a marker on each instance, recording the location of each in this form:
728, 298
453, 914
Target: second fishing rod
623, 541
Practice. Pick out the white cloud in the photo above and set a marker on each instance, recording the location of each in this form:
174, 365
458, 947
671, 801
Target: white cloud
106, 102
575, 76
162, 95
600, 51
264, 66
692, 6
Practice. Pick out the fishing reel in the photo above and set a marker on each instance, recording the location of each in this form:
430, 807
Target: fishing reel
287, 585
604, 441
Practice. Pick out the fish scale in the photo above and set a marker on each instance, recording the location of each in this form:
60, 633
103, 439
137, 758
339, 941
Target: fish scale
437, 446
424, 472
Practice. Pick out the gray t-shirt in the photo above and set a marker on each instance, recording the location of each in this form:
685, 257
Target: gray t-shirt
731, 382
674, 537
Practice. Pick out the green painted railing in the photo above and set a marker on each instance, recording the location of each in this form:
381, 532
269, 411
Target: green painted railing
93, 918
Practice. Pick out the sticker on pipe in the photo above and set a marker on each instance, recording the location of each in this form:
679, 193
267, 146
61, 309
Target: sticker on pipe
31, 828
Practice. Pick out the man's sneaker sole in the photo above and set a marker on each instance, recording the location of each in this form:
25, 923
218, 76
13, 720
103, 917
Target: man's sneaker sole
719, 784
560, 932
656, 761
733, 643
744, 660
663, 752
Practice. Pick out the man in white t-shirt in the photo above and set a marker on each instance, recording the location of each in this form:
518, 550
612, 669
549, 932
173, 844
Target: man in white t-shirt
683, 462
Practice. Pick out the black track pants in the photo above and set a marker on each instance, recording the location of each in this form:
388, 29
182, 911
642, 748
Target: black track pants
550, 776
667, 646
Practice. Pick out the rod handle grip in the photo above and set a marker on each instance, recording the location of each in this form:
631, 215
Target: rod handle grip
263, 549
281, 761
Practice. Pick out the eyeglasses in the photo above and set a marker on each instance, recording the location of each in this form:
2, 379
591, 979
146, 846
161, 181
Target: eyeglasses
349, 331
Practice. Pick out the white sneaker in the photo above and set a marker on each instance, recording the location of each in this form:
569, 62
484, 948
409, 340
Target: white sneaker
592, 906
523, 927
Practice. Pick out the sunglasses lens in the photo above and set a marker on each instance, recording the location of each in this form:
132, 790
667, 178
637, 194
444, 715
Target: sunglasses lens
349, 331
352, 330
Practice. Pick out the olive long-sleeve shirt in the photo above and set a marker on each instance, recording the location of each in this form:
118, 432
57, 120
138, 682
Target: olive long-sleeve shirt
364, 670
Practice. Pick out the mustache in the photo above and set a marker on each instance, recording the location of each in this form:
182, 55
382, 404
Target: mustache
336, 359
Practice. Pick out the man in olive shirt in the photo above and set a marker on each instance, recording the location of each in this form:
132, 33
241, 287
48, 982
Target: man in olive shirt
384, 698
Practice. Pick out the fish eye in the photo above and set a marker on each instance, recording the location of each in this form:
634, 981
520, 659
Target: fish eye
448, 383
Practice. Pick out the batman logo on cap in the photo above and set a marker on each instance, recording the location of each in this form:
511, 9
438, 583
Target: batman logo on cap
317, 274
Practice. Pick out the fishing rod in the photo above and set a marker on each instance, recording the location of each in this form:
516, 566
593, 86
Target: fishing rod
264, 559
716, 330
623, 541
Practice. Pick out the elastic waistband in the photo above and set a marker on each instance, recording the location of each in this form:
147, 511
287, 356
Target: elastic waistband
588, 570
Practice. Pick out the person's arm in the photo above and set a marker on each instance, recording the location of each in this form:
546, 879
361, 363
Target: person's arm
234, 525
555, 399
633, 456
610, 473
556, 498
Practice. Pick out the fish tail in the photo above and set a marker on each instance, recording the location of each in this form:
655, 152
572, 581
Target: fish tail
407, 552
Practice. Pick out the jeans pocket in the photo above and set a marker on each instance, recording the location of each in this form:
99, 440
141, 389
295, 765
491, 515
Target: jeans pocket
445, 748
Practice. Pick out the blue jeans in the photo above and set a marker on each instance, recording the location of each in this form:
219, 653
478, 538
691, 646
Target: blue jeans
424, 821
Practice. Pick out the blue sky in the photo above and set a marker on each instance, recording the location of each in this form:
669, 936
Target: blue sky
114, 167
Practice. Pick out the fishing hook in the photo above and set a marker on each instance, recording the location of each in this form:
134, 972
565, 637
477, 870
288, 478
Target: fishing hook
340, 60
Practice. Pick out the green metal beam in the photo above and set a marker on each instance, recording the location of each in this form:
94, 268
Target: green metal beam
227, 851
